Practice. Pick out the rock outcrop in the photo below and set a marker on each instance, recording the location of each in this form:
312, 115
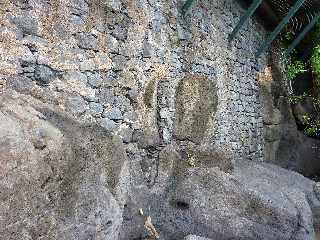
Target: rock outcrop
59, 179
285, 144
64, 180
256, 201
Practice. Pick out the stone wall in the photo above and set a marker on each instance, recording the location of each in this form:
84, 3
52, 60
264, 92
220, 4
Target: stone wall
111, 109
141, 70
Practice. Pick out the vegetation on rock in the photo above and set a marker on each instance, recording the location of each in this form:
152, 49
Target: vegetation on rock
295, 71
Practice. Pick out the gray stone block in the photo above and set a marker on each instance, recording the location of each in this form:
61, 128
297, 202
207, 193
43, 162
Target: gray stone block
87, 41
108, 124
75, 76
194, 237
76, 105
113, 113
96, 109
26, 23
125, 134
94, 79
44, 74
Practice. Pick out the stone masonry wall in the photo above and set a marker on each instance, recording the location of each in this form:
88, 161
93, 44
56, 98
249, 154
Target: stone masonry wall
141, 70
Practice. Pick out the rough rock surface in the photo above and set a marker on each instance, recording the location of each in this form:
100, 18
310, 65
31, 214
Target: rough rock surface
59, 179
194, 237
257, 201
65, 180
104, 60
285, 145
108, 107
196, 101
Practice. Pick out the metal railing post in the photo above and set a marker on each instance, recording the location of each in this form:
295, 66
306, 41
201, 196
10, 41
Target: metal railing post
303, 34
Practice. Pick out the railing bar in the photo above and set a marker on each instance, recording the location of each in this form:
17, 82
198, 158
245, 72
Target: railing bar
280, 26
303, 34
253, 7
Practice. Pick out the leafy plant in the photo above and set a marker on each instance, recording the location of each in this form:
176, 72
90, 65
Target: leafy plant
287, 39
295, 69
311, 131
315, 61
315, 58
297, 98
310, 120
289, 36
306, 118
312, 128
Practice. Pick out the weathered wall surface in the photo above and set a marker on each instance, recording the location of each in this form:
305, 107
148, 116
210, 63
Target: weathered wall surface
126, 64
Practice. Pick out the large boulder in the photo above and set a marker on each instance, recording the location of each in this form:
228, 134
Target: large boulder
64, 180
275, 182
298, 152
59, 179
256, 201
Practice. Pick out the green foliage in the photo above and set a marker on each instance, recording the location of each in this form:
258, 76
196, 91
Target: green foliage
310, 120
315, 65
287, 39
311, 131
306, 119
297, 98
312, 125
295, 69
315, 58
192, 161
315, 61
289, 36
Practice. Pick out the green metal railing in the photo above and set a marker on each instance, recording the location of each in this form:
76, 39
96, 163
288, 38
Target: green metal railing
280, 27
253, 7
272, 36
303, 34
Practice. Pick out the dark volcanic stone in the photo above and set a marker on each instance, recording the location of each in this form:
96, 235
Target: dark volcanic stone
27, 24
44, 74
87, 41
